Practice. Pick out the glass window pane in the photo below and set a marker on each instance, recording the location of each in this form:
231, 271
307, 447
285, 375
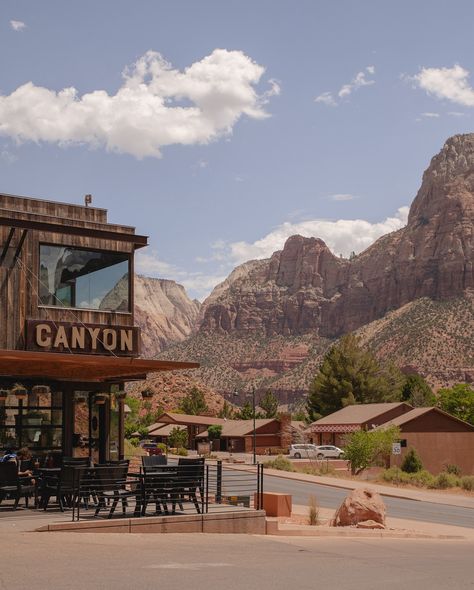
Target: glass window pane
71, 277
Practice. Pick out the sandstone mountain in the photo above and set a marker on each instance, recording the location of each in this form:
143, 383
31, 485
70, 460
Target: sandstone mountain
305, 288
164, 313
410, 296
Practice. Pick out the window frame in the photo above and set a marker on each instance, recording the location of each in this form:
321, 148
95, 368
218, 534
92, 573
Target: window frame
130, 260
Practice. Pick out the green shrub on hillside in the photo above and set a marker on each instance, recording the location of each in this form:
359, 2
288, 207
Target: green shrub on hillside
453, 469
443, 481
467, 483
412, 462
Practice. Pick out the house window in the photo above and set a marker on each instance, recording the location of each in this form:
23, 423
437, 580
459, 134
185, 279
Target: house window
85, 279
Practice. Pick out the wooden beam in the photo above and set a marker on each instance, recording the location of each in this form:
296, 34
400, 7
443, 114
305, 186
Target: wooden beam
137, 240
19, 247
7, 244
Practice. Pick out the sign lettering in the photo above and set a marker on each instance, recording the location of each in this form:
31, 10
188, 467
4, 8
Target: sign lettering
51, 336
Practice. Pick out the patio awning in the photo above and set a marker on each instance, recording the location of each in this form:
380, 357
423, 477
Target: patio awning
336, 428
81, 367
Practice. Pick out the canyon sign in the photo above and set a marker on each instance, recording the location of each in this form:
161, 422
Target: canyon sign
48, 336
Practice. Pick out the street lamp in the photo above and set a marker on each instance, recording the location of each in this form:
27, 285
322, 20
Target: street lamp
236, 393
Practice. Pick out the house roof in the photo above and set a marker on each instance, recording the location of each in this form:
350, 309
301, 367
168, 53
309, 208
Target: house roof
160, 429
417, 412
238, 428
357, 414
188, 419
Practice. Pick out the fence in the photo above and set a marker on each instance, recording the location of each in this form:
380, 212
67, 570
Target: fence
179, 487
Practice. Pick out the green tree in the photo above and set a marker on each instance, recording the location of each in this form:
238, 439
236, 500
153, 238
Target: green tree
417, 392
411, 462
269, 405
365, 448
214, 431
227, 411
245, 412
458, 401
194, 402
350, 374
178, 438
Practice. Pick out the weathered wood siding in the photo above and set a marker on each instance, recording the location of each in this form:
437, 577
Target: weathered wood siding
19, 287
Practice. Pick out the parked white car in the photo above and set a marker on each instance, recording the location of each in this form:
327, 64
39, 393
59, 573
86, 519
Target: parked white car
309, 451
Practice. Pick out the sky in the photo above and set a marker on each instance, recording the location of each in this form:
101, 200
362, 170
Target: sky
220, 128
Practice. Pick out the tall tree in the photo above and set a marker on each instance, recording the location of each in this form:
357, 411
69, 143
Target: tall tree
227, 411
458, 401
194, 402
269, 405
245, 412
350, 374
417, 392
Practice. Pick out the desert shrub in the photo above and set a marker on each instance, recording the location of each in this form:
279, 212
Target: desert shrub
467, 483
411, 462
182, 452
422, 479
444, 481
313, 511
163, 447
134, 441
393, 475
453, 469
281, 463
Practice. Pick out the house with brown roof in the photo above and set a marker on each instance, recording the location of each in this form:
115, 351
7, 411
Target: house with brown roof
332, 429
237, 435
439, 438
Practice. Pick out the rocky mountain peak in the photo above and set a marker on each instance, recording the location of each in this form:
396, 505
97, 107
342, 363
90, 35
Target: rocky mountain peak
305, 289
448, 181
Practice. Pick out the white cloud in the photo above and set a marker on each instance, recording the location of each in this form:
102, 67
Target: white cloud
7, 156
17, 25
156, 106
359, 80
456, 114
430, 115
446, 83
342, 236
150, 264
342, 197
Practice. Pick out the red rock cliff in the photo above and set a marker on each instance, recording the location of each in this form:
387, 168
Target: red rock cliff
305, 288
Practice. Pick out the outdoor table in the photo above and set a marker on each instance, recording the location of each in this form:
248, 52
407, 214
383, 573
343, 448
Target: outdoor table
39, 475
158, 487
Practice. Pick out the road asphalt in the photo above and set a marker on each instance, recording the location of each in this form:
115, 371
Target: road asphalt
331, 497
235, 562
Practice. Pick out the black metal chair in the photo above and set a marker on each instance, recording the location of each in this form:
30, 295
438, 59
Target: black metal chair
159, 487
189, 479
111, 484
12, 486
63, 487
154, 461
76, 462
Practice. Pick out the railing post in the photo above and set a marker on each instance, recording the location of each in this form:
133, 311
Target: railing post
73, 493
219, 482
257, 507
207, 489
261, 487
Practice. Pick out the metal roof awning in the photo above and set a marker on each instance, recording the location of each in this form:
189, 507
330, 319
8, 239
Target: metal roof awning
81, 367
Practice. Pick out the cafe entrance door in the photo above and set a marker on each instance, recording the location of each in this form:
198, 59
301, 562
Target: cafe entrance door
90, 435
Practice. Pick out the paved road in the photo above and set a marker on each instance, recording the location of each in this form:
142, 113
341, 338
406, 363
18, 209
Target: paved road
329, 497
73, 561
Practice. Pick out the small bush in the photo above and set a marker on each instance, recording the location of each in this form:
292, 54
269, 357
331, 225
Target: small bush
412, 462
313, 511
281, 463
444, 481
453, 469
395, 475
467, 483
134, 441
163, 447
422, 479
182, 452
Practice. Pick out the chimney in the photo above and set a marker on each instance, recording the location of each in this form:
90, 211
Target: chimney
87, 200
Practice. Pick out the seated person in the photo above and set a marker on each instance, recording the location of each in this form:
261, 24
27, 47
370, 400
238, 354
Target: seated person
24, 461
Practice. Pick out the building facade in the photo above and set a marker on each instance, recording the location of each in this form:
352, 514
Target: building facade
68, 343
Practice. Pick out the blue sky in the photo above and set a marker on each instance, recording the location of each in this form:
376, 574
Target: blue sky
218, 128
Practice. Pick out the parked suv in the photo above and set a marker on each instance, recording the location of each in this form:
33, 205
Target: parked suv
313, 451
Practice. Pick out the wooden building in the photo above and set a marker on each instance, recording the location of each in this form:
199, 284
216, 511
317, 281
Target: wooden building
68, 342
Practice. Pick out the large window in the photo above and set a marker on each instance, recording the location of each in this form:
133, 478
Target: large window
87, 279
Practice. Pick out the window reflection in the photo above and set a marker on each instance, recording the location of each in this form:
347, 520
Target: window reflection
71, 277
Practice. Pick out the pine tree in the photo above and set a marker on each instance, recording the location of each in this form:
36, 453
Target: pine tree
269, 405
417, 392
193, 403
350, 374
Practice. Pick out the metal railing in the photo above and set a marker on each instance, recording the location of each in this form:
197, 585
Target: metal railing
172, 489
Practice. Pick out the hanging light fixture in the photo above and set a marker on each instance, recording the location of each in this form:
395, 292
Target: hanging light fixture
120, 395
41, 390
20, 392
147, 392
100, 399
